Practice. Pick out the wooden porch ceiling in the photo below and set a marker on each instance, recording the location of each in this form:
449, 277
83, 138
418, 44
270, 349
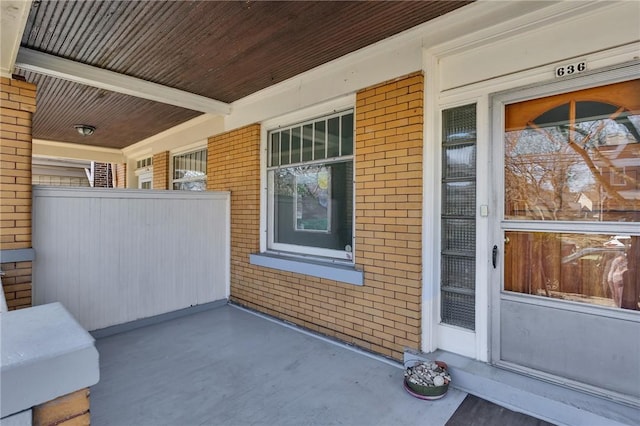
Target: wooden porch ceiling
219, 50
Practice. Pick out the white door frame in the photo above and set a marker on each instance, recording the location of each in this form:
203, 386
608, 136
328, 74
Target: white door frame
479, 344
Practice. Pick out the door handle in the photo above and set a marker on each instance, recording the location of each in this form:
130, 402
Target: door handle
494, 256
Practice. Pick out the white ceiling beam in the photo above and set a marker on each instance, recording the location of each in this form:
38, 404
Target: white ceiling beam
67, 150
44, 63
13, 19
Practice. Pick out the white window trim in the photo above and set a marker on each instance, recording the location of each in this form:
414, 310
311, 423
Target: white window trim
323, 109
144, 175
144, 170
343, 271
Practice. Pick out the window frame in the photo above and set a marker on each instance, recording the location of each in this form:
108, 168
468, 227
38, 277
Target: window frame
191, 150
145, 177
144, 172
268, 246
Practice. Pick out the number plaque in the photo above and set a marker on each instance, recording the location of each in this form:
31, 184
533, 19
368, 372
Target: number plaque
570, 69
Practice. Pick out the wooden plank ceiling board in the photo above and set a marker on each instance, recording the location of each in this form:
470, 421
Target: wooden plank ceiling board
120, 120
223, 50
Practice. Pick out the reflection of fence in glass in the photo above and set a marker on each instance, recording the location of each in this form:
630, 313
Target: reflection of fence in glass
313, 199
598, 269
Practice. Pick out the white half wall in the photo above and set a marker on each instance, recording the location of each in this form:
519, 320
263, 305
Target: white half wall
115, 256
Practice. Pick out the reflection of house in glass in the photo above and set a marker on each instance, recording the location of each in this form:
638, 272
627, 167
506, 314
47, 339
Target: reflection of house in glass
313, 199
190, 171
194, 181
566, 169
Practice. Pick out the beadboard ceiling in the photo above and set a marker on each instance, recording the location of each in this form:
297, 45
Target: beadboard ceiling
220, 51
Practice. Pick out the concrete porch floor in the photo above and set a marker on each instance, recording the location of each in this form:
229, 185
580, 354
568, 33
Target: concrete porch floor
228, 366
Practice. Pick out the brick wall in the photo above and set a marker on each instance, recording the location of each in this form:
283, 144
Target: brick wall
383, 315
102, 177
389, 139
67, 410
121, 174
233, 164
104, 174
161, 170
17, 284
17, 104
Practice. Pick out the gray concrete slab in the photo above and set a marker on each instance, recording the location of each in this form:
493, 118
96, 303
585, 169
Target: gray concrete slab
525, 394
227, 366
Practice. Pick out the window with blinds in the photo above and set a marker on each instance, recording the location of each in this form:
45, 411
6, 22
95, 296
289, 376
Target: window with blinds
458, 207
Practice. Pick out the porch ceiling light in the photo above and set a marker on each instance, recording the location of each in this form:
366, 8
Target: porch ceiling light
85, 129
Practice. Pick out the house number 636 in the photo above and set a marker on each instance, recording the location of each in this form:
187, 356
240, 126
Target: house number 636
570, 69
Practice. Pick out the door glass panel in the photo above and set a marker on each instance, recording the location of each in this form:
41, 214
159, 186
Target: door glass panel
570, 292
599, 269
578, 160
574, 157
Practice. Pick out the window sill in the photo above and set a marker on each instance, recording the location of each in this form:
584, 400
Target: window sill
342, 273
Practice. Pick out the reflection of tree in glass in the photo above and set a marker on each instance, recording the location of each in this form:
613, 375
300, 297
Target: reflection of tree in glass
313, 199
537, 178
284, 182
548, 169
310, 185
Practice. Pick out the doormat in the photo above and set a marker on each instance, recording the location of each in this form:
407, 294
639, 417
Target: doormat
475, 411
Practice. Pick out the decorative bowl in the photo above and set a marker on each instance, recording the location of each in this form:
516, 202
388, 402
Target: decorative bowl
419, 378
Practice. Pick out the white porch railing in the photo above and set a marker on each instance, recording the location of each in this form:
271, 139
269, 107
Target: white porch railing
114, 256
